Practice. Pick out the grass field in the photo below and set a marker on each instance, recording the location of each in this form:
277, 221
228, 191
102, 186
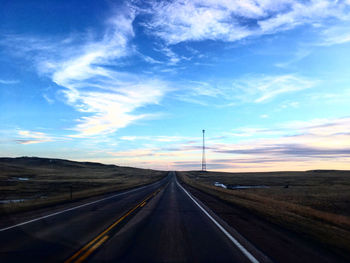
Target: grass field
315, 204
28, 183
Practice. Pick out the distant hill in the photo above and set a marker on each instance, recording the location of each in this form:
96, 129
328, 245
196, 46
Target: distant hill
37, 161
31, 182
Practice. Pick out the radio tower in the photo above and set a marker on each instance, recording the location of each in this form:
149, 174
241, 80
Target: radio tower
204, 164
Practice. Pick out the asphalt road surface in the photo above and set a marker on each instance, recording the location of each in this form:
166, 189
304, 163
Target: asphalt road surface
160, 222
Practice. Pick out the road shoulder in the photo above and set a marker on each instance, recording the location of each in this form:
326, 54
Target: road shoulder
281, 245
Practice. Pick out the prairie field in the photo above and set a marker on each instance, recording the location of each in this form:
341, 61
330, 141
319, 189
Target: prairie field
314, 204
28, 182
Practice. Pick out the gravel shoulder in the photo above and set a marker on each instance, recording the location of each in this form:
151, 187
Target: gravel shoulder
280, 244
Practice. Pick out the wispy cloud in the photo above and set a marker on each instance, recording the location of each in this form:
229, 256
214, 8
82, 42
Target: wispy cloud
31, 137
298, 56
86, 70
292, 150
172, 56
108, 96
112, 110
157, 138
251, 131
8, 81
200, 88
136, 153
261, 89
181, 20
89, 62
315, 144
198, 92
247, 89
339, 34
48, 99
293, 129
301, 143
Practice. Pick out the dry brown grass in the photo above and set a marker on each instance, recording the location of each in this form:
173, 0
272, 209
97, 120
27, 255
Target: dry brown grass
49, 181
316, 204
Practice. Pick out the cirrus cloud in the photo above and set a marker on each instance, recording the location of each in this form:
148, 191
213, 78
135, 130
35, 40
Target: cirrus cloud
182, 20
86, 70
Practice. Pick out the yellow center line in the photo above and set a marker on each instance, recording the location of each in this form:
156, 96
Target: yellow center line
92, 249
141, 204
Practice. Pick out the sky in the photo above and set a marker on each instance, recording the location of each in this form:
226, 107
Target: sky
134, 83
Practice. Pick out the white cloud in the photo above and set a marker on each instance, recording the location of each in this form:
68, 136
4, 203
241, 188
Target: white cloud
307, 131
109, 97
201, 88
48, 99
182, 20
289, 104
31, 137
86, 69
173, 58
300, 12
264, 88
197, 92
298, 56
157, 138
250, 132
339, 34
136, 153
248, 89
8, 82
179, 21
112, 110
91, 58
314, 139
321, 127
149, 59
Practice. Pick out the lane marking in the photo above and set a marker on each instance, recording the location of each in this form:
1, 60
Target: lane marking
234, 241
92, 249
101, 236
70, 209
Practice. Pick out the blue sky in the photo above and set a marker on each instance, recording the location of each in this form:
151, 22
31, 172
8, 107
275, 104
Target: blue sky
135, 82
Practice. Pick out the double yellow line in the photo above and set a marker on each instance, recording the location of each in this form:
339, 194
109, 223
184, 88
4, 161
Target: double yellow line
90, 247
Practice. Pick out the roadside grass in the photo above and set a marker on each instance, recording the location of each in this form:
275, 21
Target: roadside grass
28, 183
316, 204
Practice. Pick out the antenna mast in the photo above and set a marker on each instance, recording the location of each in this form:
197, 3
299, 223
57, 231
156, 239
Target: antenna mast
204, 164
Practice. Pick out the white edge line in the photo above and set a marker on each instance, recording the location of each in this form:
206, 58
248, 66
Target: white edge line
234, 241
72, 208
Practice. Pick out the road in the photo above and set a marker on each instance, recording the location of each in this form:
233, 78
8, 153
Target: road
161, 222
